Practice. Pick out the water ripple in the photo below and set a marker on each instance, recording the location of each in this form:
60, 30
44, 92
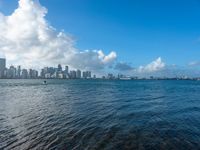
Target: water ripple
96, 114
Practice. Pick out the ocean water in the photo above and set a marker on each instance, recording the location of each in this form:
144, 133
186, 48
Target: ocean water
98, 115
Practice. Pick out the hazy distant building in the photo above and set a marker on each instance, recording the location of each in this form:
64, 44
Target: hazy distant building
120, 76
59, 68
54, 75
61, 76
18, 72
87, 74
47, 75
42, 73
110, 76
46, 70
2, 67
51, 70
84, 74
73, 74
11, 72
66, 70
78, 74
33, 74
24, 74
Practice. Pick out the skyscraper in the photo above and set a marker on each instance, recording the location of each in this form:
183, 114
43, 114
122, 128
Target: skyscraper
73, 74
18, 71
66, 69
11, 72
59, 67
2, 66
78, 74
87, 74
24, 74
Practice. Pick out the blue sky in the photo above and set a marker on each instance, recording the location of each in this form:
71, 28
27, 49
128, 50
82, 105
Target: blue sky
139, 31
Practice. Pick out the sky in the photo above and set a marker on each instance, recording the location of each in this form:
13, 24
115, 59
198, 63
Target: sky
136, 37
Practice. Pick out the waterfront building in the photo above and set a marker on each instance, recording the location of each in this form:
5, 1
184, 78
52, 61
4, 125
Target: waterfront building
11, 73
47, 75
2, 67
46, 70
54, 75
33, 74
110, 76
51, 70
59, 67
18, 72
61, 76
84, 75
78, 74
73, 74
24, 74
87, 74
42, 73
66, 71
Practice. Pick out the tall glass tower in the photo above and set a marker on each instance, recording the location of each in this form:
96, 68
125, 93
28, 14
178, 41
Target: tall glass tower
2, 66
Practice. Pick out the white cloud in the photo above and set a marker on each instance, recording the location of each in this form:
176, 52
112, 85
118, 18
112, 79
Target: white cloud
26, 38
154, 66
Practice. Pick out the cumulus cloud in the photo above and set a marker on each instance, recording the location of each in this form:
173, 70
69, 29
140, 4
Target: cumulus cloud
154, 66
27, 38
122, 66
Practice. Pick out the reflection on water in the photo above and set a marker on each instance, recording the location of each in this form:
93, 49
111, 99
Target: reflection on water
92, 114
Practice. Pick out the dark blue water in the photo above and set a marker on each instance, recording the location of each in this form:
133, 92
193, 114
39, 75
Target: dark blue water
92, 114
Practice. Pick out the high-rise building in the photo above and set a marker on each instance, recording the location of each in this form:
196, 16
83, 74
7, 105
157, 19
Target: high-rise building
110, 76
66, 70
18, 71
87, 74
73, 74
59, 67
33, 74
2, 67
24, 74
42, 73
84, 74
51, 70
78, 74
46, 70
11, 72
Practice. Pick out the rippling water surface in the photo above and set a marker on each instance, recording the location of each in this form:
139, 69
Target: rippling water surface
92, 114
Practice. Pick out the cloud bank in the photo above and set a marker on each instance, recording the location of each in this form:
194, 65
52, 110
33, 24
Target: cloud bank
156, 67
28, 39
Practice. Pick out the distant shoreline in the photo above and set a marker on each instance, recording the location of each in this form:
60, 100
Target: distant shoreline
176, 79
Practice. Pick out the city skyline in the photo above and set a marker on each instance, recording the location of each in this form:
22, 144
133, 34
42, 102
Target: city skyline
39, 33
18, 72
60, 72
